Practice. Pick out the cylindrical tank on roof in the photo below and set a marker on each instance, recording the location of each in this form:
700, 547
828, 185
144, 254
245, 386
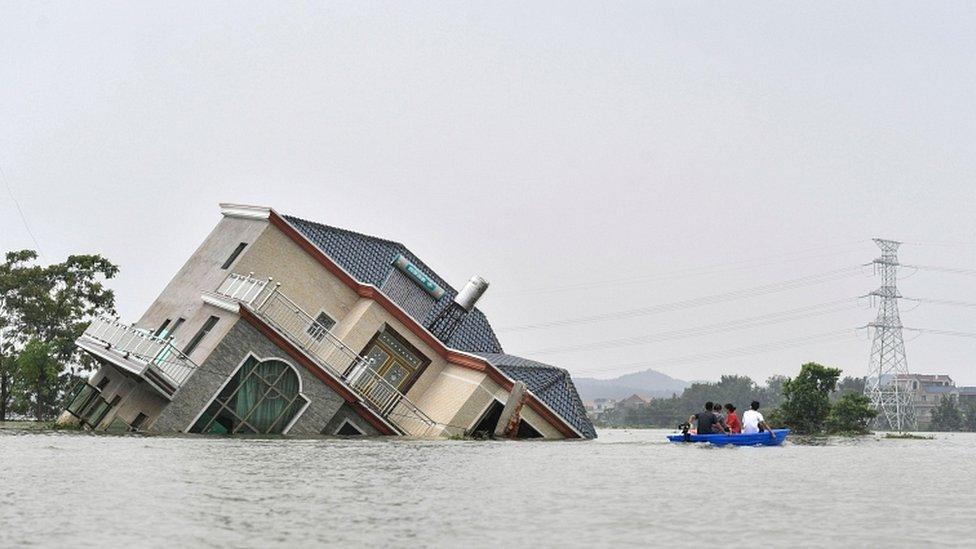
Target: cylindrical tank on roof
471, 293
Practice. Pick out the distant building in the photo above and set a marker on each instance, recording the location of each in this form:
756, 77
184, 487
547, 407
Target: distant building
632, 402
929, 390
603, 404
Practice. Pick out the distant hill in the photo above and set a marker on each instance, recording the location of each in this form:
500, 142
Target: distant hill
648, 383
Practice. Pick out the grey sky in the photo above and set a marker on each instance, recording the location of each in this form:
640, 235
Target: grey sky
540, 146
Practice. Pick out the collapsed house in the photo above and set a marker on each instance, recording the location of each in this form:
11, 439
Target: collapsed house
278, 325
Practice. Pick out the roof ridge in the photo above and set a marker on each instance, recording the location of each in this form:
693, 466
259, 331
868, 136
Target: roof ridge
347, 231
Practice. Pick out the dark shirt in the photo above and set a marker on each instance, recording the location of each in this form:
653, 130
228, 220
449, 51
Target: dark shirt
706, 421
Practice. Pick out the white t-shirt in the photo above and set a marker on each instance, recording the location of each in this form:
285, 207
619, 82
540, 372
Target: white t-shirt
750, 421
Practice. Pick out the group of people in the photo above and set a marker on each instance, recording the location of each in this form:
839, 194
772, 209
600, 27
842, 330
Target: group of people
713, 421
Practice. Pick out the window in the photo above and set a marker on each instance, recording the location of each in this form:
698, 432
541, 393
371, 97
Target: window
179, 322
348, 430
527, 431
204, 330
237, 251
324, 323
262, 397
138, 421
162, 328
103, 383
489, 419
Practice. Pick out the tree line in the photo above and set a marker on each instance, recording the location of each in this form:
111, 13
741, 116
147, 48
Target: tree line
43, 310
953, 415
815, 401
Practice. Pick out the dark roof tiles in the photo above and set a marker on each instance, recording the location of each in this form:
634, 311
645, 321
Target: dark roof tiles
552, 385
370, 260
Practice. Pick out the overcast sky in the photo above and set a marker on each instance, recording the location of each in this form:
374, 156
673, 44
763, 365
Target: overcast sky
587, 159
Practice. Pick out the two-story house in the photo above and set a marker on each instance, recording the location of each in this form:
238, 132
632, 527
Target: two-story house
277, 325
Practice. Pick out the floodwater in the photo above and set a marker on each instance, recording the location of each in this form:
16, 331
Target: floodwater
632, 488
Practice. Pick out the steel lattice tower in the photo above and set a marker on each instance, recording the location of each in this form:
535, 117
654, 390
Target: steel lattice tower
892, 397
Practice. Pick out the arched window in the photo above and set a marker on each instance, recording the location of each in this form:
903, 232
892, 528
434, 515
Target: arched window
262, 397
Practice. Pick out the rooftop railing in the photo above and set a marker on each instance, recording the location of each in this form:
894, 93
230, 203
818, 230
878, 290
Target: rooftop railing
143, 348
265, 299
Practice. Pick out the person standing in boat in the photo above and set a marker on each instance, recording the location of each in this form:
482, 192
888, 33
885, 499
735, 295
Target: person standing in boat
708, 422
732, 420
754, 422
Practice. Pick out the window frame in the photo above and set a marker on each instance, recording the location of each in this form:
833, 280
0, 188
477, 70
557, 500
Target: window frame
201, 333
233, 374
348, 422
321, 336
238, 250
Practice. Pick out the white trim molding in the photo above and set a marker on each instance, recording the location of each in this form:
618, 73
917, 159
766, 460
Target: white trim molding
245, 211
349, 422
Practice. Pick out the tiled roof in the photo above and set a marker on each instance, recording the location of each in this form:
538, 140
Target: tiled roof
370, 260
552, 385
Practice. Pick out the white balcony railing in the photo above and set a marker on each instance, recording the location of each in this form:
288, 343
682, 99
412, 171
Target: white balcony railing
266, 300
143, 348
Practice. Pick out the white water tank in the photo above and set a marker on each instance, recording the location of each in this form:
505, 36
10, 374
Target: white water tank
471, 293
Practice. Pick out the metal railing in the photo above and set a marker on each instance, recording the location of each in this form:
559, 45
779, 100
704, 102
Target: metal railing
329, 352
142, 347
245, 288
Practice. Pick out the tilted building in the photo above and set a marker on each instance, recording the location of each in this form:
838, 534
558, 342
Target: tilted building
277, 325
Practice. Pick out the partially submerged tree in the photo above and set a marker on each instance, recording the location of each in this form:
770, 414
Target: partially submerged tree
806, 398
851, 414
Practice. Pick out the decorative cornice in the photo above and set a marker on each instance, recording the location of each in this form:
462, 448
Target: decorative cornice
244, 211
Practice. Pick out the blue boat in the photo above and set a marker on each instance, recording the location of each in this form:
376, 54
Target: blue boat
753, 439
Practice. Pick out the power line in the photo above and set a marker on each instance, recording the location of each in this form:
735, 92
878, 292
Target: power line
951, 333
756, 291
23, 218
691, 271
711, 329
951, 270
825, 337
941, 301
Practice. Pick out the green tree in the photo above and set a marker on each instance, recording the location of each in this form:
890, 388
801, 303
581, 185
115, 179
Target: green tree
33, 392
851, 413
946, 416
16, 274
969, 417
43, 311
849, 385
806, 398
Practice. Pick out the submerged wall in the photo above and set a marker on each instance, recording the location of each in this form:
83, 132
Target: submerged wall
242, 341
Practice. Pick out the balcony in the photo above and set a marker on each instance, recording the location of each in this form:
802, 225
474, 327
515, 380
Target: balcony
150, 357
266, 301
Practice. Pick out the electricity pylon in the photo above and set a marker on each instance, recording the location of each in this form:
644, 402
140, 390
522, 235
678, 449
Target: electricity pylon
887, 384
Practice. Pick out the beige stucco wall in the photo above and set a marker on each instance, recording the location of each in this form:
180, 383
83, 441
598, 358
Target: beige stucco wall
137, 396
450, 394
202, 272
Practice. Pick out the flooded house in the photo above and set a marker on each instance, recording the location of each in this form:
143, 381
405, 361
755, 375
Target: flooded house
278, 325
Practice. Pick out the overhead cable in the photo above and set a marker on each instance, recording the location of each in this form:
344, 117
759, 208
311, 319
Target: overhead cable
711, 329
691, 271
826, 337
809, 280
